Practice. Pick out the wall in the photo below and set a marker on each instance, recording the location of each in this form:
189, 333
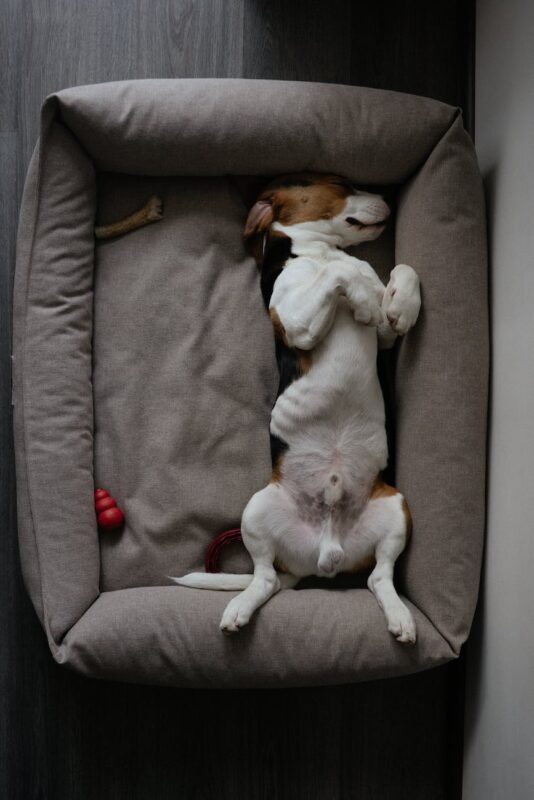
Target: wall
499, 736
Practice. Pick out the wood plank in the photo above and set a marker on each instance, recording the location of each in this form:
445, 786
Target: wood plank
302, 41
417, 47
73, 42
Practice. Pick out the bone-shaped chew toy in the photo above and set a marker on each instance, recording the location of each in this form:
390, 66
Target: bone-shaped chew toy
151, 212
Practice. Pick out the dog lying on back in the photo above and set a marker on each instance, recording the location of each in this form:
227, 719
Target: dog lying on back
326, 509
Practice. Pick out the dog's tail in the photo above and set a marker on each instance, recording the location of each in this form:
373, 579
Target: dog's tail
334, 487
214, 580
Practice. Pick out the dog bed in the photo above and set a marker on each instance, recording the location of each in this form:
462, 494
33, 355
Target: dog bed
145, 365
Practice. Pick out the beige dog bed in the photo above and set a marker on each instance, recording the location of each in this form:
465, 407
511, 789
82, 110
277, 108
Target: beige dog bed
145, 364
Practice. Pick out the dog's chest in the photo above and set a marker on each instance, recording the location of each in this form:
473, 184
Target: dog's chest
339, 384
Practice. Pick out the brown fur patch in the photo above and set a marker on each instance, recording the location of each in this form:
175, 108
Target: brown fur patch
363, 565
305, 360
280, 566
304, 357
279, 330
276, 474
382, 489
324, 197
408, 518
321, 200
319, 196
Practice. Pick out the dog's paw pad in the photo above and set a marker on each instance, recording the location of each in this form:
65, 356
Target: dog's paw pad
399, 322
401, 624
234, 618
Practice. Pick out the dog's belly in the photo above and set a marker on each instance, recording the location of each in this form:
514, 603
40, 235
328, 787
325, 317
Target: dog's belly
332, 418
298, 547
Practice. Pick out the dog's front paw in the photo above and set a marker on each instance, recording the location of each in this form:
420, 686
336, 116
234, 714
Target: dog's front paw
402, 299
235, 616
364, 302
401, 624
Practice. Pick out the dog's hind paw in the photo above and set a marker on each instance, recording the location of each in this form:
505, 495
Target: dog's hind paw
236, 615
401, 624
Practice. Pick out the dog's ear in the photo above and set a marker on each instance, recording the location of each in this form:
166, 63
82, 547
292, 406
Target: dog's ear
259, 219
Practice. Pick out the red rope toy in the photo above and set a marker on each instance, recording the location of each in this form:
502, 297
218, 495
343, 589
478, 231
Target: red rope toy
211, 559
110, 517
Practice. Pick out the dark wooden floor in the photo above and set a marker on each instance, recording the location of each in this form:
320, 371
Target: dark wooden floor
64, 738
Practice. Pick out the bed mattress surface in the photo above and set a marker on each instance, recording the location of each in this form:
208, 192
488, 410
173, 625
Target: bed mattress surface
145, 364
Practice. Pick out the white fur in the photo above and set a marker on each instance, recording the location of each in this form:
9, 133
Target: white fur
214, 580
319, 520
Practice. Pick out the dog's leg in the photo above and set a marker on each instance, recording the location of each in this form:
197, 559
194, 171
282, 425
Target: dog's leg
264, 584
385, 524
398, 617
265, 513
400, 305
305, 299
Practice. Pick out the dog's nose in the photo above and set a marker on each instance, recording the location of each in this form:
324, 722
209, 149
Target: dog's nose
373, 213
382, 208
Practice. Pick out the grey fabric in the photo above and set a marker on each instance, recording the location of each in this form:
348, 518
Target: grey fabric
441, 384
205, 127
305, 637
165, 329
53, 410
184, 376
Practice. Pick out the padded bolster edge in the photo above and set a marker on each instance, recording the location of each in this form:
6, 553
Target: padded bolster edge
300, 638
442, 384
202, 127
235, 126
52, 380
29, 556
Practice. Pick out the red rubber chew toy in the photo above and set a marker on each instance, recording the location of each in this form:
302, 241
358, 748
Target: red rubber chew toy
109, 516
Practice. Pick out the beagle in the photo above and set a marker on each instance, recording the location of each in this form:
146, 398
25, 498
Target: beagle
326, 509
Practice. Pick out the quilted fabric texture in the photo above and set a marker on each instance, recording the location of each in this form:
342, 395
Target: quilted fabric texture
145, 364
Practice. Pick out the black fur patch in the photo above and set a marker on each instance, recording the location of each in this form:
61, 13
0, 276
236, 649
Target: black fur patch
288, 365
277, 252
278, 448
289, 369
290, 182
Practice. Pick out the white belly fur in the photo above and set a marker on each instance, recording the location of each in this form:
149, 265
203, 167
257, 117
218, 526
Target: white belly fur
333, 420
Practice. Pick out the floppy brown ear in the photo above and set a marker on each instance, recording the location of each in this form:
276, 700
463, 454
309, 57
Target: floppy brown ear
259, 219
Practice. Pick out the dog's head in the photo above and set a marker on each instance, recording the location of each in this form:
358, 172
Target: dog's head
328, 205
